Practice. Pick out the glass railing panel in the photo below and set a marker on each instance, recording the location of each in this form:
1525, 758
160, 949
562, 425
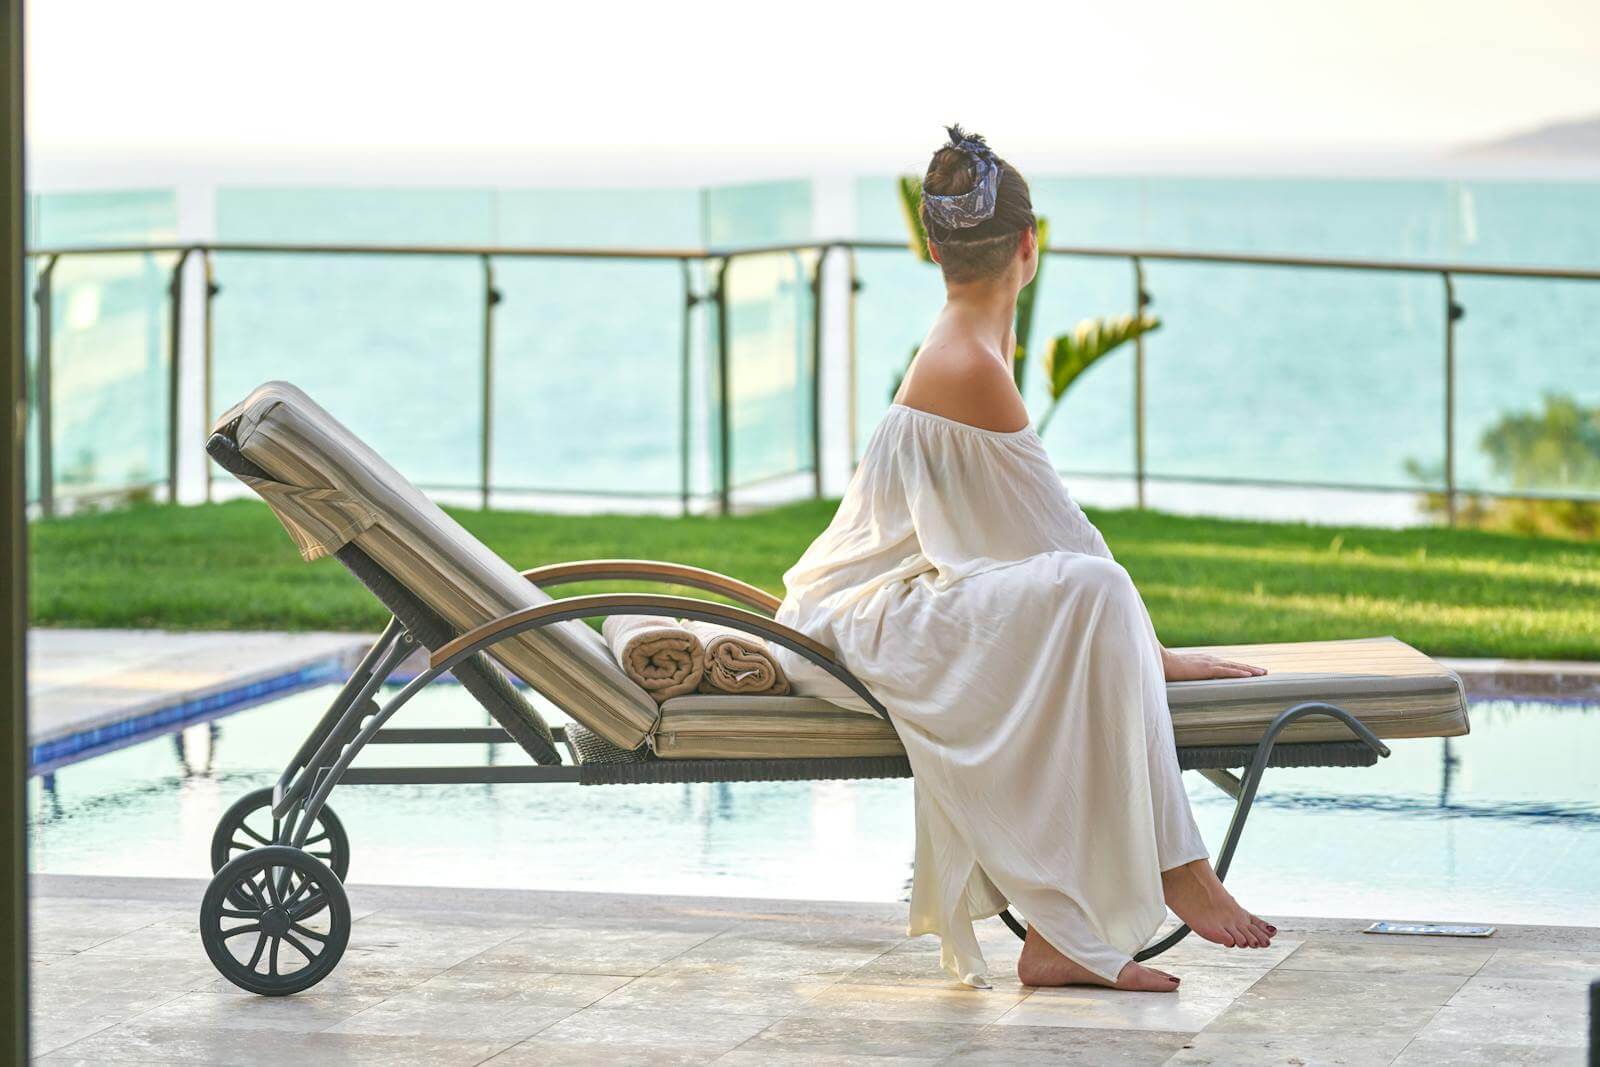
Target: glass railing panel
589, 375
598, 218
109, 373
1528, 386
111, 348
102, 217
757, 213
1539, 224
769, 321
1311, 376
356, 216
390, 345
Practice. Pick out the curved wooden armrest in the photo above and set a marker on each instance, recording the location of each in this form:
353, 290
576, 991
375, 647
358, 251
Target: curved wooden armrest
649, 570
672, 607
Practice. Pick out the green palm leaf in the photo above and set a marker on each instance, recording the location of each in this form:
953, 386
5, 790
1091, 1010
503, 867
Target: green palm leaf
911, 207
1073, 353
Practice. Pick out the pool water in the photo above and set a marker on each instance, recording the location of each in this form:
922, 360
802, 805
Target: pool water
1499, 826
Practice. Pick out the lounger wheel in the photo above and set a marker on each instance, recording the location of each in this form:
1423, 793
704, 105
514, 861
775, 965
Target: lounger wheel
249, 825
291, 929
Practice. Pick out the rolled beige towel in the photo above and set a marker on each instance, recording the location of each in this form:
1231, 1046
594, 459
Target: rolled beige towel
661, 655
737, 662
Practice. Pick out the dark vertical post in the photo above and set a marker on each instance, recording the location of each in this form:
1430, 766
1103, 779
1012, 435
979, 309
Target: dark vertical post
850, 360
174, 370
1594, 1024
816, 373
208, 385
724, 401
42, 404
685, 356
491, 297
1452, 313
13, 559
1141, 300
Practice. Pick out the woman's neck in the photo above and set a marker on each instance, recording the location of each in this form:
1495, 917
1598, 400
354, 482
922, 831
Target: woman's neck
985, 310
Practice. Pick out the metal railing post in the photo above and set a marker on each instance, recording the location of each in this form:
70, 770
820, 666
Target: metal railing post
816, 374
208, 368
41, 389
850, 358
1453, 312
685, 393
491, 297
724, 431
1141, 300
174, 370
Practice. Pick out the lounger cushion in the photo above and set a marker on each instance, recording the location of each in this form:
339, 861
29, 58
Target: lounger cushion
1384, 682
328, 489
1391, 687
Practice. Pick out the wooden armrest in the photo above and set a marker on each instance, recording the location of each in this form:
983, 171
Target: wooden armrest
672, 607
649, 570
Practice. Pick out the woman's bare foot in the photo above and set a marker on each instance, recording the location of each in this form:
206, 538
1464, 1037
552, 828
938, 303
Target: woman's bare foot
1197, 896
1041, 965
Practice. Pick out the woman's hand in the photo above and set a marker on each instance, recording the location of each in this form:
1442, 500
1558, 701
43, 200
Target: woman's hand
1193, 666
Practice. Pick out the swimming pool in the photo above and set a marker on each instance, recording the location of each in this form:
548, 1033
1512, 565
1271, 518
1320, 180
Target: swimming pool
1499, 826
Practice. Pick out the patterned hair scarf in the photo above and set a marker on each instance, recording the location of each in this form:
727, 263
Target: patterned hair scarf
964, 210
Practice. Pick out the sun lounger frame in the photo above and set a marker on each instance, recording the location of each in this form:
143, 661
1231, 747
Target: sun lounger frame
573, 753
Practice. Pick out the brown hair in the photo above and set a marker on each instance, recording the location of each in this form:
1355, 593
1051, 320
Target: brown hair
980, 252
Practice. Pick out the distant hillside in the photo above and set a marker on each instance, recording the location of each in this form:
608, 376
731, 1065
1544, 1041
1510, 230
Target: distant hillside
1577, 139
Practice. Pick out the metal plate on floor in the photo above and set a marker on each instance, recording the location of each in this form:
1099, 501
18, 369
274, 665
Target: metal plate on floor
1430, 929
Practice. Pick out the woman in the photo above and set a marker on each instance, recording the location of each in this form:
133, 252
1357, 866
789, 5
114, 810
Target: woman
967, 589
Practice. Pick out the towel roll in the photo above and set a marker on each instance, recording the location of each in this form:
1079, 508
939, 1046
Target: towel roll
663, 656
737, 662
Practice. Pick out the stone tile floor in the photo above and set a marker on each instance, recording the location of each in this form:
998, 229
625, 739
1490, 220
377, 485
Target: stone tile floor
441, 977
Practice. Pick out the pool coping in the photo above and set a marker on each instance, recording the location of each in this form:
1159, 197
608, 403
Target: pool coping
1490, 679
186, 704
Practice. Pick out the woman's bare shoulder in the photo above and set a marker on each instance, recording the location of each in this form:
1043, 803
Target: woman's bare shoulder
965, 384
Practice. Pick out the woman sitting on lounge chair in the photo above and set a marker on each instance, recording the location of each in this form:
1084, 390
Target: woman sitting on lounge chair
967, 589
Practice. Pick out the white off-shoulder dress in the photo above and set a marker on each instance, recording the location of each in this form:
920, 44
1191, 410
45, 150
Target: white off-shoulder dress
1019, 665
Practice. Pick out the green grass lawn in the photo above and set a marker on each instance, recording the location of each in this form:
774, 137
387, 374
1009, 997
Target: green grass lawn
1449, 592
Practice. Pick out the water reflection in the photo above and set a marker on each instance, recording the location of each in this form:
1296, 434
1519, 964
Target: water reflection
1501, 824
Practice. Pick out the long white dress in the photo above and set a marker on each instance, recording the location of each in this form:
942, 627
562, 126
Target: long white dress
1019, 665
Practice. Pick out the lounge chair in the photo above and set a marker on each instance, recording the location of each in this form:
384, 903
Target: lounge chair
279, 883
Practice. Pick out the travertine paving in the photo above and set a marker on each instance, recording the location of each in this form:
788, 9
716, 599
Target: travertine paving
462, 976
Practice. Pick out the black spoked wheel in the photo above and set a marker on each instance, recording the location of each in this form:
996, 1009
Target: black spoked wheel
291, 928
249, 824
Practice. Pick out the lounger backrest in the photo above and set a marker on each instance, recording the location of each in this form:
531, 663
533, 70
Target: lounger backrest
329, 489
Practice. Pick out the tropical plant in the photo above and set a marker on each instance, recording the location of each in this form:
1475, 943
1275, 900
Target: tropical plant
1557, 448
911, 209
1073, 353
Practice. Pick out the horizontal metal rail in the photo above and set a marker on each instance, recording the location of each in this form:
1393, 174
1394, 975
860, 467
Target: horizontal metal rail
1244, 259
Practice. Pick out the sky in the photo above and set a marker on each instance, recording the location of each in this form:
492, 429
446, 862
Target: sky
620, 84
